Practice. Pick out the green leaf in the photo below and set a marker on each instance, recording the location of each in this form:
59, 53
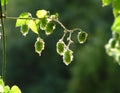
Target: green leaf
67, 57
15, 89
60, 46
82, 37
1, 89
33, 26
117, 58
39, 46
41, 13
22, 19
116, 7
112, 42
37, 22
116, 35
4, 2
116, 25
43, 23
6, 89
1, 82
24, 30
49, 28
106, 2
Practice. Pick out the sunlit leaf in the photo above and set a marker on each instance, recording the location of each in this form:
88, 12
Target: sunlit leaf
23, 19
117, 58
39, 46
4, 2
49, 28
82, 37
6, 89
116, 7
24, 30
37, 22
105, 2
68, 56
33, 26
41, 13
116, 35
1, 82
15, 89
116, 24
1, 89
112, 42
60, 47
43, 23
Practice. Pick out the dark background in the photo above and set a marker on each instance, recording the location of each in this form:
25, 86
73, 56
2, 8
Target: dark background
92, 71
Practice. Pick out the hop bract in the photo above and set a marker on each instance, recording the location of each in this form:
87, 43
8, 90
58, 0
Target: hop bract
24, 30
68, 56
60, 47
49, 28
39, 46
82, 37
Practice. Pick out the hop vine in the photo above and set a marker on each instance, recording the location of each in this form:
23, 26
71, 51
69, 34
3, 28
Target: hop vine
46, 22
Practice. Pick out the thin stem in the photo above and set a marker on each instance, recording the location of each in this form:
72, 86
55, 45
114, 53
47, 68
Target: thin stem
69, 39
5, 8
15, 18
3, 45
65, 29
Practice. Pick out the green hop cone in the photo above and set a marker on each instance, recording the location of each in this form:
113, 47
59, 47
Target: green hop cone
39, 46
24, 30
67, 57
49, 28
60, 46
82, 37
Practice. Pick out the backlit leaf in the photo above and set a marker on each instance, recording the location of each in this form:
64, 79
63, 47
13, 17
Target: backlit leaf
116, 35
43, 23
106, 2
68, 56
112, 42
116, 24
60, 47
41, 13
6, 89
49, 28
15, 89
3, 2
39, 46
82, 37
33, 26
24, 30
1, 82
116, 7
22, 19
1, 89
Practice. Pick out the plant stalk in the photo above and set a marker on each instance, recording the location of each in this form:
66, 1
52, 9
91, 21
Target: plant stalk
3, 44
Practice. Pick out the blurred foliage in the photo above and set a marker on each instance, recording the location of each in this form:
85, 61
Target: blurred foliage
92, 70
